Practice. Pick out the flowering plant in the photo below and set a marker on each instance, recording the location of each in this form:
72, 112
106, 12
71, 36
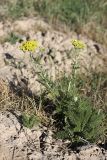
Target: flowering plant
78, 44
30, 45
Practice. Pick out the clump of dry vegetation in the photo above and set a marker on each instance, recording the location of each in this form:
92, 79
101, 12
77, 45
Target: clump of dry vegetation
30, 107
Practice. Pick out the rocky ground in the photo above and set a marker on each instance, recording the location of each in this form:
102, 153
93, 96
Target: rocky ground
20, 143
16, 141
55, 58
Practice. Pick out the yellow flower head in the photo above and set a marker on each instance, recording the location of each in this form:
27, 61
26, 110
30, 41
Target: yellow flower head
29, 45
78, 44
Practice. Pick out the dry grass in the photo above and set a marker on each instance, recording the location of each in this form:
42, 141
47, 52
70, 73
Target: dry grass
4, 95
12, 101
95, 32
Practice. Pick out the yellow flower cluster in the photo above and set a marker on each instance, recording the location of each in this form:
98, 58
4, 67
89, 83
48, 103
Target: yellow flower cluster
78, 44
30, 45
